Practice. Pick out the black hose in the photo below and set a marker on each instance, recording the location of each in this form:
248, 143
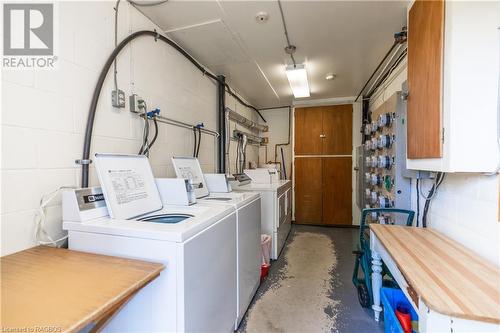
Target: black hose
154, 137
376, 69
199, 142
418, 201
229, 91
195, 141
102, 76
439, 180
85, 161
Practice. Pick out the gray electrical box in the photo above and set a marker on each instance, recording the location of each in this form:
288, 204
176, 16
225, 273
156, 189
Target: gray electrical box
383, 180
360, 180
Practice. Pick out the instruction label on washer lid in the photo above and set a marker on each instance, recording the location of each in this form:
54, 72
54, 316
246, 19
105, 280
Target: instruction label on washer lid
128, 185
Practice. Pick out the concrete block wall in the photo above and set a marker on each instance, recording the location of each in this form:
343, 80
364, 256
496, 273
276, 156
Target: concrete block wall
44, 113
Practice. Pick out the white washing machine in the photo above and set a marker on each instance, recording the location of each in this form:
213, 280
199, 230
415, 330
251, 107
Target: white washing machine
248, 228
249, 258
276, 210
196, 292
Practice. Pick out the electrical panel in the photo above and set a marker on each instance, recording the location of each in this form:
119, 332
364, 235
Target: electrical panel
383, 179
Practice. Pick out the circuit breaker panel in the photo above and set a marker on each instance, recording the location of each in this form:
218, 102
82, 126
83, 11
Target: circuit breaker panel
387, 182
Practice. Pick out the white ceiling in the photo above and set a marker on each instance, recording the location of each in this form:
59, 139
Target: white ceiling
348, 38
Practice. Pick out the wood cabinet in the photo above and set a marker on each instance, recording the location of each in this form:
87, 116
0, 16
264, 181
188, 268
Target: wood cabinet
308, 190
453, 81
323, 130
337, 190
425, 67
323, 165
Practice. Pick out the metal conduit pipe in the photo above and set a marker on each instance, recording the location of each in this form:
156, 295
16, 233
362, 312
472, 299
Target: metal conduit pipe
182, 124
227, 139
85, 160
221, 123
243, 121
289, 135
250, 137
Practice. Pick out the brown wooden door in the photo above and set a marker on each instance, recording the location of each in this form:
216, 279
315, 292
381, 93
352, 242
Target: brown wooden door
337, 130
337, 190
308, 190
425, 67
308, 129
323, 184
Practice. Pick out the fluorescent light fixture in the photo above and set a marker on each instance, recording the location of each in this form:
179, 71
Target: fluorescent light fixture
297, 77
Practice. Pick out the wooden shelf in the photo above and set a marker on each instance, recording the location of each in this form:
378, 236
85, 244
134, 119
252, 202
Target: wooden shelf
449, 278
45, 287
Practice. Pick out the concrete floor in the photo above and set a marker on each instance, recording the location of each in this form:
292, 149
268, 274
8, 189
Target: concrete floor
309, 287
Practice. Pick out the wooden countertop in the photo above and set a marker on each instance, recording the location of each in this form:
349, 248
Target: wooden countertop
66, 290
449, 278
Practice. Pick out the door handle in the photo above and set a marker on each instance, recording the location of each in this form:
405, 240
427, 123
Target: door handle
322, 136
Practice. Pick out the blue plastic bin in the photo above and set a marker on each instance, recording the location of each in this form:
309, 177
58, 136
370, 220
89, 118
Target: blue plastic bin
390, 298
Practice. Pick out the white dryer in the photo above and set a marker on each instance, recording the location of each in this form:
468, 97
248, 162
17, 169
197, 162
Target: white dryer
196, 292
248, 228
276, 210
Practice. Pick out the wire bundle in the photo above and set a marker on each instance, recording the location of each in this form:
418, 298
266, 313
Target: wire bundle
432, 193
41, 216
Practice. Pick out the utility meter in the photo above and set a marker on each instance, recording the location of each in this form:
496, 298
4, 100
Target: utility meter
368, 145
374, 126
385, 202
368, 161
368, 194
388, 182
373, 161
376, 179
385, 161
368, 177
374, 197
374, 144
385, 141
385, 219
385, 119
367, 129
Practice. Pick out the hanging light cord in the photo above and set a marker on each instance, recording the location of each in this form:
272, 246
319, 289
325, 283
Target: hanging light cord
288, 44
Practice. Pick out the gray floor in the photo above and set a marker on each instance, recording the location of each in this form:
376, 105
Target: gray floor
309, 287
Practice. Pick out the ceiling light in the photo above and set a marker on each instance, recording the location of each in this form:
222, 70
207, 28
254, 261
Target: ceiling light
330, 76
297, 77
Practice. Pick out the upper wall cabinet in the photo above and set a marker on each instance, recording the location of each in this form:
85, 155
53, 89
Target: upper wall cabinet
323, 130
453, 83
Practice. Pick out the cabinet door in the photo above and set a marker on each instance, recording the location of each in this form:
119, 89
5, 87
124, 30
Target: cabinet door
337, 190
425, 67
337, 130
308, 131
308, 187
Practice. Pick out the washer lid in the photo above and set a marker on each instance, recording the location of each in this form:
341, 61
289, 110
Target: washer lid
189, 168
128, 185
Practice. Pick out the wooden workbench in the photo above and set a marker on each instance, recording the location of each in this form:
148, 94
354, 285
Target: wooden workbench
57, 290
437, 275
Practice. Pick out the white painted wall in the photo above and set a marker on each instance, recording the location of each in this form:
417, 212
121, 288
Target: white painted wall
466, 205
278, 121
44, 113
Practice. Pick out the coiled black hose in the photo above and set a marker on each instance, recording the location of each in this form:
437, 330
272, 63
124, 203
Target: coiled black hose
102, 76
